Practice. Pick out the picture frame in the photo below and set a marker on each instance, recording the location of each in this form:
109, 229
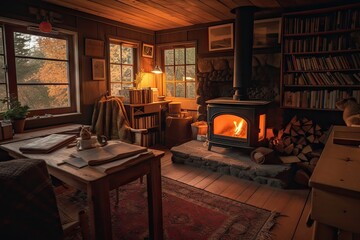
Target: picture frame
267, 33
94, 48
147, 50
221, 37
98, 69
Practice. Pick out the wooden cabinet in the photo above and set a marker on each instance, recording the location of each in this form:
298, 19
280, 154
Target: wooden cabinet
148, 116
335, 183
320, 57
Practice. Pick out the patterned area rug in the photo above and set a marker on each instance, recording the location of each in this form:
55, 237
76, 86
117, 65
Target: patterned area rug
188, 213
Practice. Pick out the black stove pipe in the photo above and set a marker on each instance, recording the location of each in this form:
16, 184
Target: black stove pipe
244, 31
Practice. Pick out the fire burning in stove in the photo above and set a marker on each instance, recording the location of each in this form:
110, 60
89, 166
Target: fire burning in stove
239, 130
231, 126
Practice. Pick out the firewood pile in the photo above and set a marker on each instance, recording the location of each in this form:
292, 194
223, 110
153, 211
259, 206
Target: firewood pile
303, 139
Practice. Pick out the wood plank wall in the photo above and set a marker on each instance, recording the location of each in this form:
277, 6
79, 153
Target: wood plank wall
87, 26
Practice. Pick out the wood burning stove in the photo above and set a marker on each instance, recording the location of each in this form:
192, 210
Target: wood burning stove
239, 122
236, 123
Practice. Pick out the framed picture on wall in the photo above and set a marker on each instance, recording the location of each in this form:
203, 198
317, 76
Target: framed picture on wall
148, 50
221, 37
267, 33
98, 69
94, 48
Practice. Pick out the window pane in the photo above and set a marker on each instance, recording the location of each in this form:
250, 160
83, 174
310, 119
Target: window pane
180, 90
38, 46
128, 85
2, 70
170, 89
127, 73
169, 57
169, 73
115, 53
190, 72
127, 55
179, 73
190, 55
115, 87
3, 106
179, 56
41, 71
44, 96
115, 73
190, 90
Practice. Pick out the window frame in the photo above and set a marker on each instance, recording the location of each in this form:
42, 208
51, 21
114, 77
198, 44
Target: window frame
70, 37
190, 102
136, 58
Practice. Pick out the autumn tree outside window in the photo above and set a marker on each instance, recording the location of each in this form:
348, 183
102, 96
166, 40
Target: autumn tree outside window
180, 71
123, 65
40, 70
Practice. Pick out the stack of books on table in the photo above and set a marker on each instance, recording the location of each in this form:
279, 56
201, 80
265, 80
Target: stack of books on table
47, 144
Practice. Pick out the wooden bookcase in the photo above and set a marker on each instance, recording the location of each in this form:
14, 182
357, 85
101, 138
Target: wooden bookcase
320, 57
148, 116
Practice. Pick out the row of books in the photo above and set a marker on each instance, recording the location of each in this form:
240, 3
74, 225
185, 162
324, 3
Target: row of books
148, 121
150, 139
339, 62
321, 99
320, 44
321, 79
342, 19
139, 96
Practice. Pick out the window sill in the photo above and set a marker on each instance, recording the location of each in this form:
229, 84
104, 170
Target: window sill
51, 120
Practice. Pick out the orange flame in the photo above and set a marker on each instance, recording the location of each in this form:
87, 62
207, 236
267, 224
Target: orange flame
238, 131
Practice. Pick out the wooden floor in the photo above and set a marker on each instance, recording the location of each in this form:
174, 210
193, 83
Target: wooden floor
292, 204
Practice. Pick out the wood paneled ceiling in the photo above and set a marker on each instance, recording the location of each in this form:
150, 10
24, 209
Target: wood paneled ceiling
166, 14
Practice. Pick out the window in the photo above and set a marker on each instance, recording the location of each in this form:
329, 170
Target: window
123, 65
40, 70
180, 71
3, 85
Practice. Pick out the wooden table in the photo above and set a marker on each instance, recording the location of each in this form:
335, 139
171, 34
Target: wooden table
98, 184
336, 190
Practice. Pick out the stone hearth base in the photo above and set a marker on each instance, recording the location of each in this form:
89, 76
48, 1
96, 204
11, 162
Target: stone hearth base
235, 162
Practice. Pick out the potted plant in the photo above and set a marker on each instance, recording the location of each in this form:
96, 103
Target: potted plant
16, 114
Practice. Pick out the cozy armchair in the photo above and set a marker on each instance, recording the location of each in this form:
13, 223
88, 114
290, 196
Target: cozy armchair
28, 206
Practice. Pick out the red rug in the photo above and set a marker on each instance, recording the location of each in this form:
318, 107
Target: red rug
188, 213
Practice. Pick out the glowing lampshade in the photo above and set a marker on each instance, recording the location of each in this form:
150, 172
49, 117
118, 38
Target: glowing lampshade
45, 27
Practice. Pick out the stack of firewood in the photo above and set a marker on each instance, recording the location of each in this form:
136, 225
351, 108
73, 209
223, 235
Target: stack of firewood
301, 138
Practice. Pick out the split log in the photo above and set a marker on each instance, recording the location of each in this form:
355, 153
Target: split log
307, 149
289, 149
302, 157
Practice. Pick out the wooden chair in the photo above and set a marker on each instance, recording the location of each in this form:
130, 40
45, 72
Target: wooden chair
28, 203
110, 119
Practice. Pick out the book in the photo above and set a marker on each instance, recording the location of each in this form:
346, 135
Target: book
114, 150
346, 138
47, 144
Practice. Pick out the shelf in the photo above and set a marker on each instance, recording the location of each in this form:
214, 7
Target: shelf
321, 86
340, 31
325, 70
324, 52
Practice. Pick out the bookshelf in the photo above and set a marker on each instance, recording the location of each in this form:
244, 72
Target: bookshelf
148, 116
320, 57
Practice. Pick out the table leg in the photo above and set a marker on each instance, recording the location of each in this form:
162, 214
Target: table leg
323, 231
99, 210
155, 200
